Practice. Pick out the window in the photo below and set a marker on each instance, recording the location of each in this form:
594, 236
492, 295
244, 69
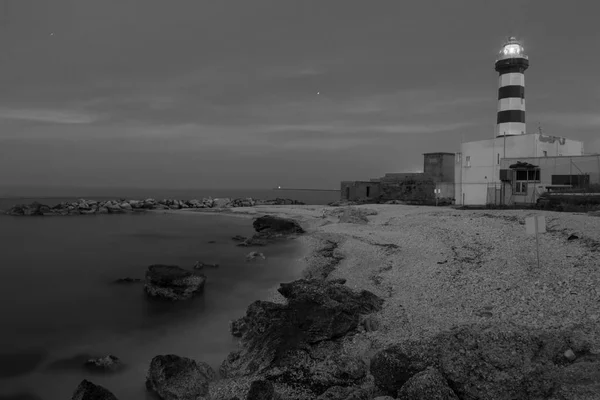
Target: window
498, 159
528, 175
468, 161
545, 153
520, 187
368, 191
458, 158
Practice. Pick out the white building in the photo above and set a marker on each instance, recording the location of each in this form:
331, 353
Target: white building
478, 165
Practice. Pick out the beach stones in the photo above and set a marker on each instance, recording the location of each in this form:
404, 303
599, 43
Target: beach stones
426, 385
170, 282
261, 390
89, 391
178, 378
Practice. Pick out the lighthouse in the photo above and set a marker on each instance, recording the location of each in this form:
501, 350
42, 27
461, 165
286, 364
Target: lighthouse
511, 65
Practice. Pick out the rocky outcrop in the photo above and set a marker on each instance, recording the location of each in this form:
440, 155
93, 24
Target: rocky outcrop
299, 343
261, 390
107, 363
271, 226
178, 378
89, 391
495, 361
122, 206
253, 255
426, 385
172, 283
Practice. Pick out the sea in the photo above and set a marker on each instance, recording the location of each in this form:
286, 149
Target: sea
59, 304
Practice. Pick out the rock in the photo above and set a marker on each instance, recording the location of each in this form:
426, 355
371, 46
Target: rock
238, 238
237, 327
178, 378
221, 203
108, 363
569, 355
102, 210
383, 398
201, 265
172, 283
254, 255
335, 393
271, 225
297, 343
426, 385
485, 361
261, 390
89, 391
573, 237
253, 242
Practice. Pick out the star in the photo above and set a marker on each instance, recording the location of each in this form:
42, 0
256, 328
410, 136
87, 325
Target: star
52, 34
318, 92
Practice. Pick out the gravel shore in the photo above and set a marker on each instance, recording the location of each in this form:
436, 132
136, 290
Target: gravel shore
441, 267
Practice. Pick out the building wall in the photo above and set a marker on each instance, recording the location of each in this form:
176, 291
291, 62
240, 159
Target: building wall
446, 190
571, 165
479, 164
410, 187
440, 166
357, 190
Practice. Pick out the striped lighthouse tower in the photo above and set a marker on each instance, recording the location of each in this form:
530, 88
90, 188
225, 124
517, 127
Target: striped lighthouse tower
511, 65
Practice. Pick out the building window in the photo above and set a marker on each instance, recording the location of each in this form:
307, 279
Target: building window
520, 187
468, 161
458, 158
528, 175
368, 191
498, 159
545, 153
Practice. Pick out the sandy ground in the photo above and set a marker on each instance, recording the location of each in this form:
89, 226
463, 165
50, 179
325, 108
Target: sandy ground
441, 267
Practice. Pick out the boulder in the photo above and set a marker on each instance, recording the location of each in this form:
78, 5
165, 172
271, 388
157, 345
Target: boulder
178, 378
488, 361
89, 391
128, 280
253, 242
107, 363
238, 238
172, 283
426, 385
201, 265
222, 203
237, 327
276, 226
103, 210
296, 343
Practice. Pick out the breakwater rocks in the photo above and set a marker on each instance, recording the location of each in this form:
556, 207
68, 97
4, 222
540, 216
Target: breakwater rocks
122, 206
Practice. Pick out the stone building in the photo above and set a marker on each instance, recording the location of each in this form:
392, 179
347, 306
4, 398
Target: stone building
418, 188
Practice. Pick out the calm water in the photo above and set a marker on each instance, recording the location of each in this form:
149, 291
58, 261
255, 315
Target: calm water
57, 299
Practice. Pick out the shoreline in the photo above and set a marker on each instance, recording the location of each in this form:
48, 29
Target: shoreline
438, 269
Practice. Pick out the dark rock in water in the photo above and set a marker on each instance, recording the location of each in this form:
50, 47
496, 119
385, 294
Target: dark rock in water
89, 391
172, 283
201, 265
270, 225
212, 242
489, 361
238, 238
296, 342
426, 385
253, 255
237, 327
128, 280
107, 363
254, 242
20, 363
261, 390
178, 378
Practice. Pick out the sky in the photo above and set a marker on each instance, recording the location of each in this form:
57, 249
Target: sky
255, 94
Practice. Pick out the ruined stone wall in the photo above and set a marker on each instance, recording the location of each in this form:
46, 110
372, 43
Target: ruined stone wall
359, 190
410, 187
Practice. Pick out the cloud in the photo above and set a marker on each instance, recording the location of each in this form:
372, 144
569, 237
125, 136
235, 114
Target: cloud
571, 120
49, 116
